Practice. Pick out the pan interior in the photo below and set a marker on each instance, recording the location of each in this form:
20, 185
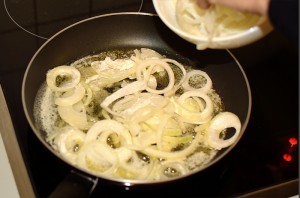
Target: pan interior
134, 31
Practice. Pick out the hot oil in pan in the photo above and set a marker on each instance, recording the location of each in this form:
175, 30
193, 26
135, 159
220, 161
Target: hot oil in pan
48, 119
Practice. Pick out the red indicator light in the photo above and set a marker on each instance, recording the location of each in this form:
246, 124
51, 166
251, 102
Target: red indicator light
293, 141
287, 157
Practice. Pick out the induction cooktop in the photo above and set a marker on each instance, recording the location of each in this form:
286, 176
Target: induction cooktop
264, 161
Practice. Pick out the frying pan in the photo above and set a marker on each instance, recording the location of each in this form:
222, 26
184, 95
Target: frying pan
131, 31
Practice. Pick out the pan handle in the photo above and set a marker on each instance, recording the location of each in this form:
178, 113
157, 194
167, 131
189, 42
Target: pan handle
75, 185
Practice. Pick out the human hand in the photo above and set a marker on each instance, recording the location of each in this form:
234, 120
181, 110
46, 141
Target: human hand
253, 6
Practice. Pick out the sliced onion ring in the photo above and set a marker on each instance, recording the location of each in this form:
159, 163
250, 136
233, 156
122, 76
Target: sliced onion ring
63, 70
108, 125
67, 140
219, 123
181, 67
75, 115
208, 85
72, 96
127, 90
145, 76
97, 157
194, 117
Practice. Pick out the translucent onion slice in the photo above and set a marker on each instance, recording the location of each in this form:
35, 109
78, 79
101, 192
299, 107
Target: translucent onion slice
110, 71
218, 124
125, 103
160, 130
109, 66
192, 74
143, 113
69, 142
72, 96
75, 115
143, 75
134, 128
144, 53
171, 142
132, 105
131, 88
71, 74
145, 139
192, 116
154, 121
193, 20
98, 157
175, 155
88, 95
108, 125
135, 168
183, 77
152, 82
150, 54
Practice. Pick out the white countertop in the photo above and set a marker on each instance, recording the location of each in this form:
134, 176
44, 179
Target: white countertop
8, 186
14, 178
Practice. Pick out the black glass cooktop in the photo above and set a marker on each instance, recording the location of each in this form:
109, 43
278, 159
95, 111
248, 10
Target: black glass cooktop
266, 155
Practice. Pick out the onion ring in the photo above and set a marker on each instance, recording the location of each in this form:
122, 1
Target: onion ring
208, 85
194, 117
71, 96
63, 70
219, 123
108, 125
145, 76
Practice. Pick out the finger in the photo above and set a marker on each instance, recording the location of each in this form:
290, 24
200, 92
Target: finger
204, 4
253, 6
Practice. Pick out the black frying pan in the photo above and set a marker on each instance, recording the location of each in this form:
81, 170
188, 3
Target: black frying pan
130, 31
